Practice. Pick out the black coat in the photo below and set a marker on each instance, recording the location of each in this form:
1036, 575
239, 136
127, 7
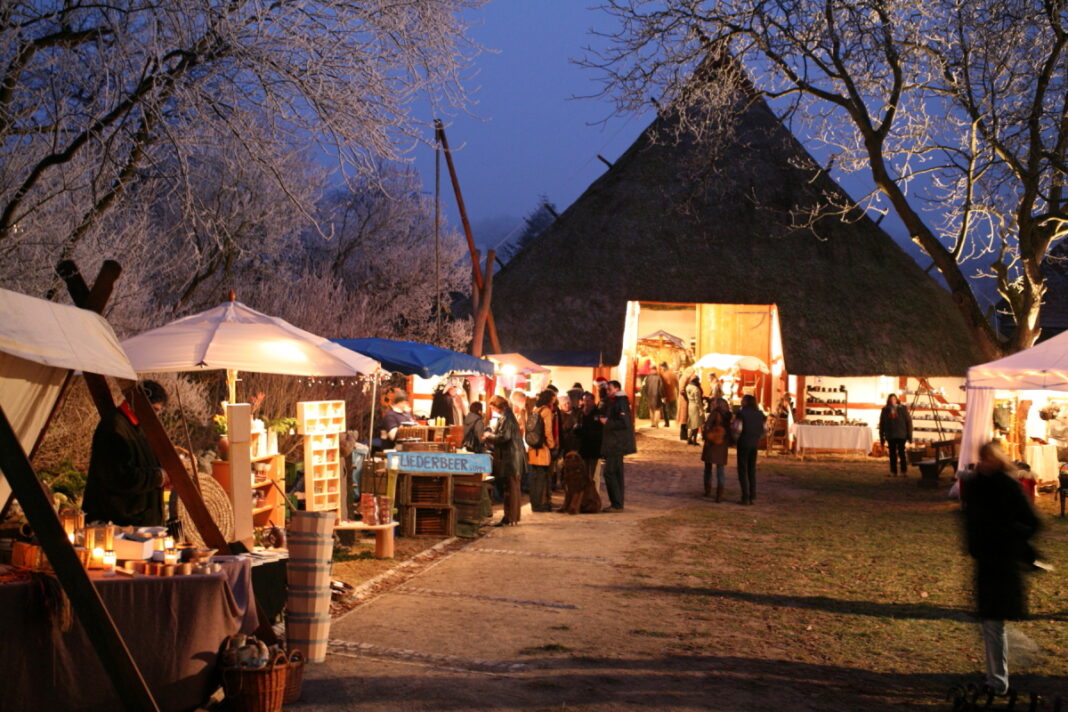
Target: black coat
125, 484
752, 428
474, 426
569, 437
618, 439
998, 524
590, 433
509, 455
895, 423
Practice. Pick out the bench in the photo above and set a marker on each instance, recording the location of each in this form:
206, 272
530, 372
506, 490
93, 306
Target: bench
946, 452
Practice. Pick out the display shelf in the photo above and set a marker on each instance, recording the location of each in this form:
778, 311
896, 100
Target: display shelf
261, 510
265, 483
827, 402
934, 419
321, 422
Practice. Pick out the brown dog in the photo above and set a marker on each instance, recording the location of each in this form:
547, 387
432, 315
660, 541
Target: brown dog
580, 495
573, 473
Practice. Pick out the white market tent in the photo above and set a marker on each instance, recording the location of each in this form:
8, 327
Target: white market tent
725, 362
40, 341
1040, 368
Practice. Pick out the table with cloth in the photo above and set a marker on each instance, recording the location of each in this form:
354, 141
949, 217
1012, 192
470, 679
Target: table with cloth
172, 625
831, 437
1042, 459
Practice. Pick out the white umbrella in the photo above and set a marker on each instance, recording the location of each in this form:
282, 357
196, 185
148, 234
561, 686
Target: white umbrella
725, 362
236, 338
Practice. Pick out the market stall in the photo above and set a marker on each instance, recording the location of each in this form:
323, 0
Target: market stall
1041, 374
235, 337
172, 626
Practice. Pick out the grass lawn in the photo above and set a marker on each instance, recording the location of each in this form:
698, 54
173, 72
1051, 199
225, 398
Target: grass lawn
839, 570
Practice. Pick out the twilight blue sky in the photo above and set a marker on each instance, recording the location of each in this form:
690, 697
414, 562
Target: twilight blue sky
528, 137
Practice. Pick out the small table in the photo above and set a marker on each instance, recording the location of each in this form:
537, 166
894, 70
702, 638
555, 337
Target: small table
831, 437
383, 535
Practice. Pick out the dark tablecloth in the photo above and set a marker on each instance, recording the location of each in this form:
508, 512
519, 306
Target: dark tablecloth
173, 626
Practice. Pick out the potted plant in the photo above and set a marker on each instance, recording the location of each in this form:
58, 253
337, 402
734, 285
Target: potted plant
218, 421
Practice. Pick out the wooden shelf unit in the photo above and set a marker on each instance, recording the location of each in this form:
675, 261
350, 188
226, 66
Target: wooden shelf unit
826, 402
273, 509
321, 424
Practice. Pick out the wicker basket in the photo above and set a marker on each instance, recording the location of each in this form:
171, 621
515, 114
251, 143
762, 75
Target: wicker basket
294, 677
257, 690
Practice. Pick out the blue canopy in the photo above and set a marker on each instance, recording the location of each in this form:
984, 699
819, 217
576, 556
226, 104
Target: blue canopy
412, 358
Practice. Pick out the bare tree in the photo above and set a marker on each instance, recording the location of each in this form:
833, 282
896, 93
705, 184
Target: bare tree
94, 96
954, 109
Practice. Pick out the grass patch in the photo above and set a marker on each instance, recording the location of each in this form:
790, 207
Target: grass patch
838, 566
652, 633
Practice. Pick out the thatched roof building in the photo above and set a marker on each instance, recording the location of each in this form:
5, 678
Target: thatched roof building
851, 302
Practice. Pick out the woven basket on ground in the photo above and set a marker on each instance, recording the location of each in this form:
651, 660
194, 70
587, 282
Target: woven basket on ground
294, 676
218, 504
259, 689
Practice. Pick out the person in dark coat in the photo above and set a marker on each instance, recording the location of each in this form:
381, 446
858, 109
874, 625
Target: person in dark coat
716, 433
125, 482
998, 525
747, 443
569, 423
509, 456
670, 381
474, 426
895, 429
617, 441
590, 432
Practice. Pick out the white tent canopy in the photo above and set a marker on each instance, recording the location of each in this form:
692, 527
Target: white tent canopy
235, 337
1040, 368
40, 341
517, 363
725, 362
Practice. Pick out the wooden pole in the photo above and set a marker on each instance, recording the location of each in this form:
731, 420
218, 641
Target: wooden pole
482, 316
439, 129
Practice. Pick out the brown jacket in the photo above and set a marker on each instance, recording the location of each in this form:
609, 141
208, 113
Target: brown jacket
543, 455
670, 381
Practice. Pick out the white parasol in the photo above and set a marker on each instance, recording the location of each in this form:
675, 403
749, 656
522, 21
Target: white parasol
235, 337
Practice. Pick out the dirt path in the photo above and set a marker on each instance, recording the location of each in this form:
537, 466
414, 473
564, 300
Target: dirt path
584, 612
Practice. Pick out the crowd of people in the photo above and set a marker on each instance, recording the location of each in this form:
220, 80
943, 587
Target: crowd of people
533, 438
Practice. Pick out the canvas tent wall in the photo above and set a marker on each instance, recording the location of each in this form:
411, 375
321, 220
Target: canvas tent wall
40, 342
1040, 368
679, 222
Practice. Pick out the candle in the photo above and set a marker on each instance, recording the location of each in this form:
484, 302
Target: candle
185, 569
108, 561
168, 542
98, 558
167, 570
70, 537
170, 556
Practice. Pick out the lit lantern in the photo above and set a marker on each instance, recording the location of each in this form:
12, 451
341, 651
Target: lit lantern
97, 561
108, 561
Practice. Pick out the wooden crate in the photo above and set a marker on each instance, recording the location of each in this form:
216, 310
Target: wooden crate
430, 521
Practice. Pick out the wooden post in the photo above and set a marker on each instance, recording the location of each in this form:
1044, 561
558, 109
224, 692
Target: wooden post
439, 130
802, 397
482, 316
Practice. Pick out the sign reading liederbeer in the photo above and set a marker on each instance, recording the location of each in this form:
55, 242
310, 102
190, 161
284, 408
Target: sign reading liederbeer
456, 463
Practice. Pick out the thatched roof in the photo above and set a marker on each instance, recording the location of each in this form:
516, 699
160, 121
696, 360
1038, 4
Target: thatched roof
851, 302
